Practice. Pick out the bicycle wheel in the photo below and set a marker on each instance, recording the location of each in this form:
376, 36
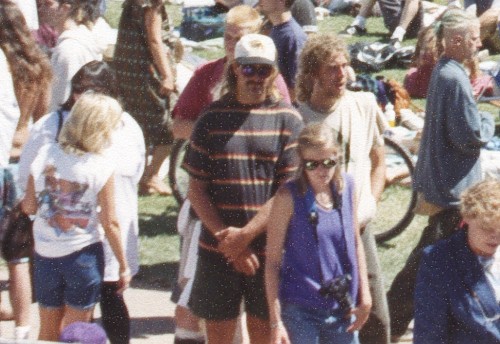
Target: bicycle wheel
395, 208
177, 177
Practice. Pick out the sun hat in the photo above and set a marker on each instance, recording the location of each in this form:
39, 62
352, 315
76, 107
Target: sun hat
255, 49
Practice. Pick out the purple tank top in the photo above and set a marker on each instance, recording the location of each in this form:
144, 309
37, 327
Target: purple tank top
334, 252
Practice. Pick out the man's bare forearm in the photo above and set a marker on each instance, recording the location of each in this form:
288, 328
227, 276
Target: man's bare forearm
203, 206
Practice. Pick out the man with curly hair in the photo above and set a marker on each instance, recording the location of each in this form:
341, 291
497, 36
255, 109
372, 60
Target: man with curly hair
322, 94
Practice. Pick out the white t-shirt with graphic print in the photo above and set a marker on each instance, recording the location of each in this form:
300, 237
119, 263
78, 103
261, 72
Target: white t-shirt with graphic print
66, 186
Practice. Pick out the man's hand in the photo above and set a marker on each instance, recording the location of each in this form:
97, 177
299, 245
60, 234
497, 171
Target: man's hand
247, 263
232, 242
279, 334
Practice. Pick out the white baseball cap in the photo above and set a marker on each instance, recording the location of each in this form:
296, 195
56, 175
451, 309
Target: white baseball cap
255, 49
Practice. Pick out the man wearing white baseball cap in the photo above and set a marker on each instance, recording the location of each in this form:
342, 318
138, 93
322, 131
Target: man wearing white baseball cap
241, 150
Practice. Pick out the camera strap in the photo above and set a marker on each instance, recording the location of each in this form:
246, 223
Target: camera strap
60, 120
312, 208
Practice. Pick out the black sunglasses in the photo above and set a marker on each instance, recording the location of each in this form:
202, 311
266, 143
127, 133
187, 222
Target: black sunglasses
249, 70
311, 165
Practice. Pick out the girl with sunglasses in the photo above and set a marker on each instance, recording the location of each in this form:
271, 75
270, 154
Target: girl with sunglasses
317, 284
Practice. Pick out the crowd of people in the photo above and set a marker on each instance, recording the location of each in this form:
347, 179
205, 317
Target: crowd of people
286, 166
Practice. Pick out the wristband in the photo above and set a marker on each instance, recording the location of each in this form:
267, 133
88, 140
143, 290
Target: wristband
125, 273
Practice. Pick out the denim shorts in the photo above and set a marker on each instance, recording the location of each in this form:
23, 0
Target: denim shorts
315, 326
73, 280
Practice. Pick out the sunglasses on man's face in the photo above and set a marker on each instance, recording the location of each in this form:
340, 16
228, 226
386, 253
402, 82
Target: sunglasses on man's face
262, 71
311, 165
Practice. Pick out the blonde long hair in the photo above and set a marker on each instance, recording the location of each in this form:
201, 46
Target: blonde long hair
90, 124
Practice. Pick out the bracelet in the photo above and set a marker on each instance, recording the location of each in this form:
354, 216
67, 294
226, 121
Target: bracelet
276, 325
125, 273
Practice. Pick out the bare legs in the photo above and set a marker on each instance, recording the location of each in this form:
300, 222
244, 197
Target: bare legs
223, 331
53, 320
20, 292
151, 181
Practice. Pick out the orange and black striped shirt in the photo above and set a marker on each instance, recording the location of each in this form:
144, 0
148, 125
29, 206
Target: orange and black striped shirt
244, 152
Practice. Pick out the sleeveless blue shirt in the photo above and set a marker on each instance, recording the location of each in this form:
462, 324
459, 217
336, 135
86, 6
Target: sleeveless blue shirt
334, 252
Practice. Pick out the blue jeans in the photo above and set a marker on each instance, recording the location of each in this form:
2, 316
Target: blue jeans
311, 326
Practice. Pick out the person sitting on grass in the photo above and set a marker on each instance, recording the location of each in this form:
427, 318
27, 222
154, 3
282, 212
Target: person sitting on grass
401, 17
427, 53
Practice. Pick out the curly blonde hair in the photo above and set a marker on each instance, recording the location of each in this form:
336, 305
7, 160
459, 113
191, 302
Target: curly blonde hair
318, 48
482, 201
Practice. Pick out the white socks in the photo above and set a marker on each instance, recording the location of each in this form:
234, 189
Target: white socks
22, 332
182, 333
399, 33
359, 21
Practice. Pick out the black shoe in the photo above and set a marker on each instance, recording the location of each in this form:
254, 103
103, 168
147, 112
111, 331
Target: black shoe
396, 43
387, 52
188, 341
353, 30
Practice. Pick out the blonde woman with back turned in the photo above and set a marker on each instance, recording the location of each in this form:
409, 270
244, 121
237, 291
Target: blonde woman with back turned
69, 182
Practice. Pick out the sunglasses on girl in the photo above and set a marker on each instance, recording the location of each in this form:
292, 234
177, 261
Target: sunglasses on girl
311, 165
250, 70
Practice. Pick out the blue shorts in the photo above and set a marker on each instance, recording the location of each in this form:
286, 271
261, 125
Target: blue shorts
73, 280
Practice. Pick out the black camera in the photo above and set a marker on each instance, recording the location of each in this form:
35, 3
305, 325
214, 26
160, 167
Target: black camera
339, 289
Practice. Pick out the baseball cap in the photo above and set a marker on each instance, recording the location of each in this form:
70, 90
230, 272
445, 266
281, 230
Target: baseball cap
255, 49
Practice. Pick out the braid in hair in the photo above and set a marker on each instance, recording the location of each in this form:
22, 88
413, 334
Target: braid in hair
83, 12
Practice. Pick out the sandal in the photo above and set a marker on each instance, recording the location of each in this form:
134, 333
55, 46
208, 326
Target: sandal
154, 185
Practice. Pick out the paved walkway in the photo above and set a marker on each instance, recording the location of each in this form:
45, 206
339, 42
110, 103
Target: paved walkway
151, 313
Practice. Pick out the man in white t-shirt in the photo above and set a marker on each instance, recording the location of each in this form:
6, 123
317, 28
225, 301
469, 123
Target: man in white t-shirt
359, 122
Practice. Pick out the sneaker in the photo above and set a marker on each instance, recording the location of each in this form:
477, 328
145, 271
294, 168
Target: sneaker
353, 30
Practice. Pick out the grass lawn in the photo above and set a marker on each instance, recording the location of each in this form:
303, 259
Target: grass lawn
159, 241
